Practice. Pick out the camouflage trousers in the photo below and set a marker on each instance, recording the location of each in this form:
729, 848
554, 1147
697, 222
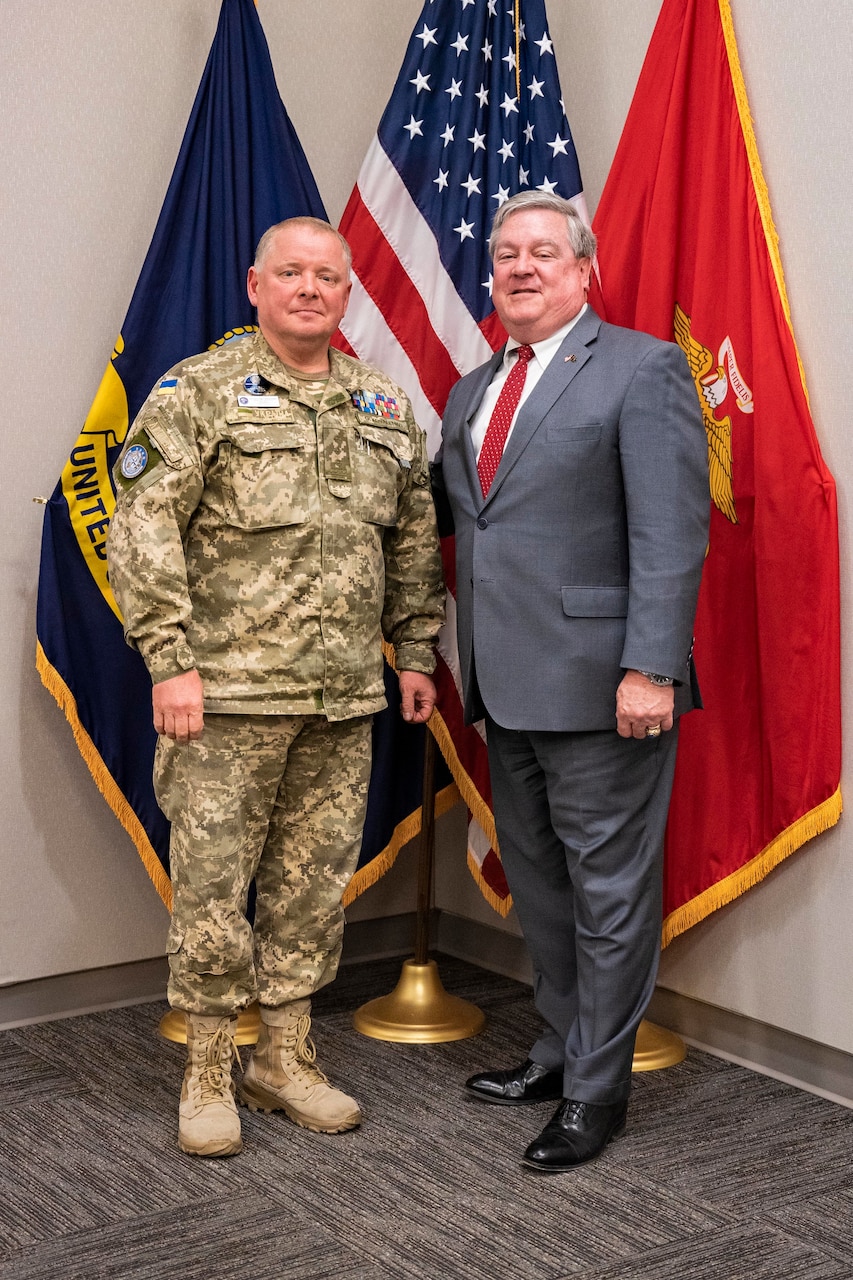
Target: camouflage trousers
277, 799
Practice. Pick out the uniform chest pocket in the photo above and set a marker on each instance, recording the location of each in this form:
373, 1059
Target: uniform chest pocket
268, 473
383, 460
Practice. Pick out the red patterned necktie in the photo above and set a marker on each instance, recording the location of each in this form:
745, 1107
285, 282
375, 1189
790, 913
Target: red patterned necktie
499, 423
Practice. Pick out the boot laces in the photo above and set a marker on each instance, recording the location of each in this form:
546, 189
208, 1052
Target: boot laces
305, 1052
214, 1078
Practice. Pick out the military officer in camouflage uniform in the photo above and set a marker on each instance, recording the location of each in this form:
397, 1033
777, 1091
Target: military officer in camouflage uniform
273, 521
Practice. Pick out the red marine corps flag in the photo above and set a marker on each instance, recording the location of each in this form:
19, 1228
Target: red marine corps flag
688, 251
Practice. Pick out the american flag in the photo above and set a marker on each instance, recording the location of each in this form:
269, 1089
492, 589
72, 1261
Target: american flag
475, 116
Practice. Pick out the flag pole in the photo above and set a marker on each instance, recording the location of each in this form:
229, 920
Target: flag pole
419, 1010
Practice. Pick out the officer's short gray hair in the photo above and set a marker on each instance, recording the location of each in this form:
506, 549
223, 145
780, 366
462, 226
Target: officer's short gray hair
302, 221
581, 238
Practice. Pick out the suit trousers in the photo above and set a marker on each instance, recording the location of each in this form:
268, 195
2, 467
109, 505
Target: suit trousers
580, 820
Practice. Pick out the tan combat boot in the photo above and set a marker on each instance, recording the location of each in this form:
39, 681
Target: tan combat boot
208, 1123
282, 1075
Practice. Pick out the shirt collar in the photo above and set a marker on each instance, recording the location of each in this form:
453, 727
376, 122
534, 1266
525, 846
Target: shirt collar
545, 350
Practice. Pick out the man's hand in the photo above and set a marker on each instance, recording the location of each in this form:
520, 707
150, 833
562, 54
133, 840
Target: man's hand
641, 705
179, 707
417, 692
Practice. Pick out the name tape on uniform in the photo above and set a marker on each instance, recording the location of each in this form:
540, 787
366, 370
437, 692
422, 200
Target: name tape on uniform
258, 402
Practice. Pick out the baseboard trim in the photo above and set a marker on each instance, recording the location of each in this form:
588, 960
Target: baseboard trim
482, 944
772, 1051
383, 938
68, 995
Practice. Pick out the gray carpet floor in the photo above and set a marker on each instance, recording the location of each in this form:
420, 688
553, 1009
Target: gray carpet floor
722, 1175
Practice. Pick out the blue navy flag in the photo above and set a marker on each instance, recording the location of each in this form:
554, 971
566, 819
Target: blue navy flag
240, 169
476, 115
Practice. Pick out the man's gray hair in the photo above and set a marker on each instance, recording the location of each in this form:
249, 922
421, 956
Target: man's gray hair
581, 238
302, 221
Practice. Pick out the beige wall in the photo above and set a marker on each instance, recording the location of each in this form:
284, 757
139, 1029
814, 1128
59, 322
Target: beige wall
94, 98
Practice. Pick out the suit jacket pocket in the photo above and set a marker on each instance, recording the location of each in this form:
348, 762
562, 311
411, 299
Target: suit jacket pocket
567, 433
595, 602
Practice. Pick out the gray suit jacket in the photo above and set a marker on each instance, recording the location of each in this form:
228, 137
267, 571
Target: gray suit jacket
586, 556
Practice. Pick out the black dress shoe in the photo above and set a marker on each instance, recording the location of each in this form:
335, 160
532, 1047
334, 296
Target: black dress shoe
527, 1083
577, 1132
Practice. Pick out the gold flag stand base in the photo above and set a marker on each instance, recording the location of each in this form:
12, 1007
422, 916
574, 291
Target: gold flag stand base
419, 1010
173, 1026
655, 1047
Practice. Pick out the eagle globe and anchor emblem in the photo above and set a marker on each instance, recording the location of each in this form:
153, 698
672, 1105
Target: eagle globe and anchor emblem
717, 381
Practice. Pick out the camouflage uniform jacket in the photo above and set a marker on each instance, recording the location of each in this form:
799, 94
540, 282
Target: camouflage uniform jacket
269, 543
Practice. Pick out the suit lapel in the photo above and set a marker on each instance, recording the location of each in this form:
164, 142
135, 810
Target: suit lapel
569, 359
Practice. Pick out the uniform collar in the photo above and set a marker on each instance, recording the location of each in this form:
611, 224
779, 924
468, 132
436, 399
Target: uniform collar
344, 371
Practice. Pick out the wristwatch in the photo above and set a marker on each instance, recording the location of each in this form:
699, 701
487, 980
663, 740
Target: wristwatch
656, 679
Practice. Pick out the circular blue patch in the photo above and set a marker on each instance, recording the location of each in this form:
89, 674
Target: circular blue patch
254, 384
134, 462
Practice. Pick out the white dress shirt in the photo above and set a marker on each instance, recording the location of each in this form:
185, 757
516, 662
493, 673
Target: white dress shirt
543, 354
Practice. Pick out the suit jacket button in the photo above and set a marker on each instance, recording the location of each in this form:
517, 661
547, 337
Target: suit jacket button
482, 523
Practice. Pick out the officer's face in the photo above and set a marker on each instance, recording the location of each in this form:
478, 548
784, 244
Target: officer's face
301, 289
539, 284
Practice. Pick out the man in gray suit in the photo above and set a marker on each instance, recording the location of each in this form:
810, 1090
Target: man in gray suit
574, 467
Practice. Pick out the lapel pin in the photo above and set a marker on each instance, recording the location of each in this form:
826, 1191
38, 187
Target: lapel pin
568, 358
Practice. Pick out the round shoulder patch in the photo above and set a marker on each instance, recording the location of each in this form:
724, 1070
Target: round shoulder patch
134, 461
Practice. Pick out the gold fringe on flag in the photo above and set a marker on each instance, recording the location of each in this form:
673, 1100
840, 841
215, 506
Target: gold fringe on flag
480, 811
502, 906
55, 685
467, 790
819, 819
403, 833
